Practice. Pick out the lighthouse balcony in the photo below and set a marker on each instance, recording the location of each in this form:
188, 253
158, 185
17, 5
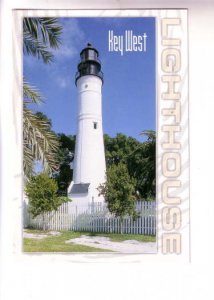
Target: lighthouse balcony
89, 71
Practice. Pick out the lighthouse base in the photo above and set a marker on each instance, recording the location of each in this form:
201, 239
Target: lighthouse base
83, 194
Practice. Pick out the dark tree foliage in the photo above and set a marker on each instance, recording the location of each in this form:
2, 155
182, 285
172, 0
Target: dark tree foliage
139, 157
65, 156
119, 148
142, 166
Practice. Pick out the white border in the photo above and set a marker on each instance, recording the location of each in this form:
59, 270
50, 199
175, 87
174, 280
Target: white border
179, 282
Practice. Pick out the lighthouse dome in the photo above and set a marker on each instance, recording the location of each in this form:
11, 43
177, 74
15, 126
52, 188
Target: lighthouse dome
89, 63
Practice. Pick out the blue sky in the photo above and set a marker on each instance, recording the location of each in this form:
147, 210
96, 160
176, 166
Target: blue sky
129, 80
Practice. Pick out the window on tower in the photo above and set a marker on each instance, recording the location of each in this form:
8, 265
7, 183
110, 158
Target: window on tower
95, 125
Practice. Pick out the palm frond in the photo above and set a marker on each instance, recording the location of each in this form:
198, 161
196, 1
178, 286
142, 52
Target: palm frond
46, 29
41, 34
150, 134
51, 32
31, 94
35, 48
28, 161
39, 142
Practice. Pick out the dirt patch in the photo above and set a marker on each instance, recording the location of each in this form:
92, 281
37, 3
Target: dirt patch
128, 246
40, 235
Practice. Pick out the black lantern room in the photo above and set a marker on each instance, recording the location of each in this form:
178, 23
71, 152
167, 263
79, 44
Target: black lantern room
89, 64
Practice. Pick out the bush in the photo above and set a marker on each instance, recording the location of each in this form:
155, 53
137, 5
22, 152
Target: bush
41, 191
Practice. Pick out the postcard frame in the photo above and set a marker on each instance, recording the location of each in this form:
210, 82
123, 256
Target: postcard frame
9, 250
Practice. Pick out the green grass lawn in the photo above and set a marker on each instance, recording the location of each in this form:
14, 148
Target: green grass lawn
57, 243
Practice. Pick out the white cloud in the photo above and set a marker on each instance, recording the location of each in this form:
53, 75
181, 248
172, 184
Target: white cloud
72, 38
63, 82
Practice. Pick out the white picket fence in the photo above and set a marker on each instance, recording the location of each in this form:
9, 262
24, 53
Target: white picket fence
96, 218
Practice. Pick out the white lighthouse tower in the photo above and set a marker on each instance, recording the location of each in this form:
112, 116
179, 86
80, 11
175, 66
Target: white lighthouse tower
89, 160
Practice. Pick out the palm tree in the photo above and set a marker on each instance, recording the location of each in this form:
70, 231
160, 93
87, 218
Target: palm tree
148, 160
40, 35
150, 134
40, 143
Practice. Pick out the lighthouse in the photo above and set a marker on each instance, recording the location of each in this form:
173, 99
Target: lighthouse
89, 165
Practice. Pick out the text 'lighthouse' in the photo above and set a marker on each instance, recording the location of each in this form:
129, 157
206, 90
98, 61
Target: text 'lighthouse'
89, 160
